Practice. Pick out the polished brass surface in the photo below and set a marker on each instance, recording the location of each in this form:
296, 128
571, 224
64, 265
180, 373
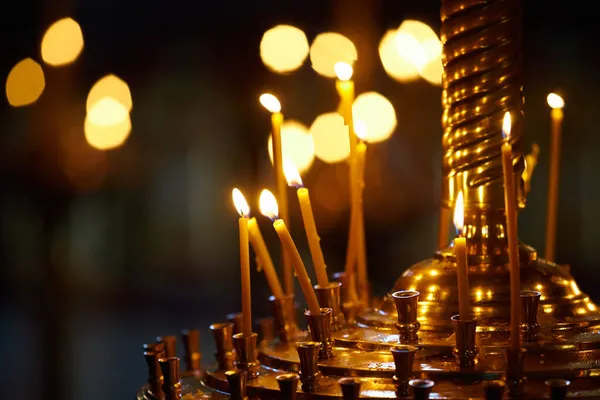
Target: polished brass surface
284, 313
406, 308
237, 380
320, 328
530, 300
308, 354
223, 336
330, 297
404, 357
246, 353
465, 350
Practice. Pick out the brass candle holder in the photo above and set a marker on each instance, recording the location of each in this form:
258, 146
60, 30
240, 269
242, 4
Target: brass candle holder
267, 328
237, 380
308, 352
406, 306
288, 385
330, 297
172, 388
223, 336
404, 356
320, 327
515, 376
245, 348
530, 327
465, 350
155, 378
284, 312
191, 346
494, 390
421, 388
557, 388
170, 344
350, 388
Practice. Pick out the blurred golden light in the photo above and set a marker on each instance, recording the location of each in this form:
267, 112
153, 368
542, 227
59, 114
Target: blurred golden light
25, 83
62, 43
409, 48
396, 66
377, 114
296, 145
330, 48
360, 129
291, 173
240, 203
432, 71
107, 112
419, 45
330, 138
506, 125
270, 102
284, 48
343, 71
107, 125
268, 205
110, 86
555, 101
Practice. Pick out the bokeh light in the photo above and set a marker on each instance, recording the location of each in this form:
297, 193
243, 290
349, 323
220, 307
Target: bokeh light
330, 138
330, 48
25, 83
106, 137
107, 112
555, 101
396, 67
419, 45
62, 43
284, 48
296, 145
377, 114
110, 86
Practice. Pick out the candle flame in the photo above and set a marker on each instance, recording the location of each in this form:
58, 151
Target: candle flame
506, 125
268, 205
343, 71
270, 102
555, 101
360, 129
240, 203
292, 175
459, 213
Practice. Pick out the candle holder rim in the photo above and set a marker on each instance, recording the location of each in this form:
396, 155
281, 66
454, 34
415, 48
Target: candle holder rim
288, 377
558, 383
405, 294
242, 336
350, 381
220, 325
530, 293
456, 318
324, 311
404, 348
330, 285
421, 383
308, 344
167, 359
235, 372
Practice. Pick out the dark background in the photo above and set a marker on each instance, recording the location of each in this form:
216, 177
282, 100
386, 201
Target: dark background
100, 252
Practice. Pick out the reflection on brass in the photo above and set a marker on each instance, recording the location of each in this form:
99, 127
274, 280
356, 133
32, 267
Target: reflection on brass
320, 330
308, 353
406, 307
246, 350
330, 297
557, 388
237, 380
223, 335
529, 310
465, 351
404, 357
284, 312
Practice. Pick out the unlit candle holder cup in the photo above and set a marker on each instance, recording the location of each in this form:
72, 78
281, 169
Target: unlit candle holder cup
170, 345
191, 346
284, 312
155, 379
465, 350
308, 353
330, 297
494, 390
288, 385
245, 348
515, 370
421, 388
406, 306
320, 331
350, 388
404, 356
223, 335
557, 388
172, 387
237, 380
530, 300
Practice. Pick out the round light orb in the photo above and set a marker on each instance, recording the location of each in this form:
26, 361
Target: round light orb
106, 137
432, 72
377, 114
107, 112
296, 145
25, 83
328, 49
410, 49
420, 45
62, 43
110, 86
284, 48
330, 138
396, 66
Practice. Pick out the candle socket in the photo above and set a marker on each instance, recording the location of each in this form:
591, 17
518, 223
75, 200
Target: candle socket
421, 388
222, 333
288, 386
236, 320
404, 356
530, 327
330, 297
406, 306
465, 350
155, 379
170, 344
191, 345
350, 388
557, 388
237, 380
308, 352
157, 347
494, 390
245, 347
172, 387
284, 312
515, 377
267, 328
320, 331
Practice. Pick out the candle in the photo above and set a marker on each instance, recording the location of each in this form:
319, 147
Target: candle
242, 206
510, 206
556, 115
268, 207
361, 256
462, 266
264, 258
314, 241
272, 104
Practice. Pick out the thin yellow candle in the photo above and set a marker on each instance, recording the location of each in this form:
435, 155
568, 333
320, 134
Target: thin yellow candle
264, 258
510, 206
556, 116
268, 207
361, 250
462, 266
272, 104
314, 241
242, 206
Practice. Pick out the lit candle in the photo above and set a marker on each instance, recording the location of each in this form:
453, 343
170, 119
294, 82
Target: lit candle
268, 207
314, 241
361, 256
264, 258
556, 115
242, 206
271, 103
462, 266
510, 206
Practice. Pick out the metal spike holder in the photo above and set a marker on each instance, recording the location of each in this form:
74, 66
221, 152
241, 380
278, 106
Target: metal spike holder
482, 80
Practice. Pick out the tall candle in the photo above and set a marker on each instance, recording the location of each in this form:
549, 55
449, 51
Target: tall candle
556, 117
314, 241
268, 207
264, 258
272, 104
462, 266
510, 206
242, 206
361, 250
